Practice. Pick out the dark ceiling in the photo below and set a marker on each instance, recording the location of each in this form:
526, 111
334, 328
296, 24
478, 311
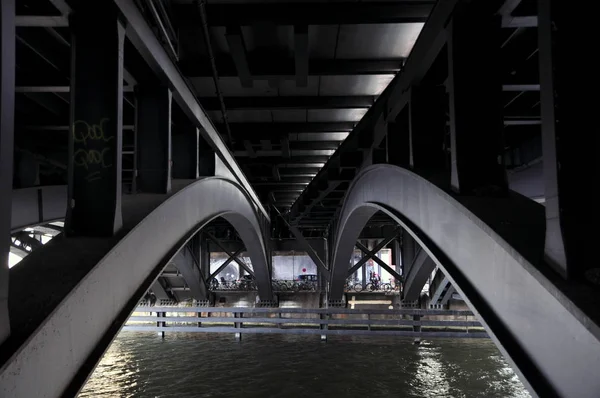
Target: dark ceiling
296, 78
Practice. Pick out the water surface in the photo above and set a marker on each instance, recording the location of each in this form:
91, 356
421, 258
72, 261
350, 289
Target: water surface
290, 366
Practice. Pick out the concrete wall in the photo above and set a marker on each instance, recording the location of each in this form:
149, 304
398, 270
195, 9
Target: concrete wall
289, 267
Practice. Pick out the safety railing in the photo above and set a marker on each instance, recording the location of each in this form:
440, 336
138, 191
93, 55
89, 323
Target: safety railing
417, 323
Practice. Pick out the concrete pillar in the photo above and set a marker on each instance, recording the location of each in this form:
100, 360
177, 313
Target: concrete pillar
154, 138
475, 99
427, 129
185, 152
570, 146
206, 158
7, 114
397, 256
364, 269
95, 145
398, 141
204, 256
409, 251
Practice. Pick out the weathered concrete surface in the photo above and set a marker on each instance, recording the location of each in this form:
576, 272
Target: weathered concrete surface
300, 299
490, 248
235, 299
86, 287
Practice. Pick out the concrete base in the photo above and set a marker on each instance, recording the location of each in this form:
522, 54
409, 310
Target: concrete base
300, 300
374, 301
235, 299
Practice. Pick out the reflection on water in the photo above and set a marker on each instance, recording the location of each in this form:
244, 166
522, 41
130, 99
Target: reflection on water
215, 365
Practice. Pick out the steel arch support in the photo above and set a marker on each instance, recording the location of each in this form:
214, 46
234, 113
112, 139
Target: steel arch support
60, 359
553, 345
416, 277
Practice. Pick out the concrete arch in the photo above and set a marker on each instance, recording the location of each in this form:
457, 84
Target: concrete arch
64, 349
524, 312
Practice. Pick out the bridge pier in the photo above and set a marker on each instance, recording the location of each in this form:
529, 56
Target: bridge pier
95, 142
186, 152
7, 97
153, 138
568, 148
475, 93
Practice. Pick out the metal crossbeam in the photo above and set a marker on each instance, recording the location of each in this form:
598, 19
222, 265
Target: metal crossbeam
379, 261
234, 255
280, 103
307, 246
285, 68
225, 264
373, 253
302, 13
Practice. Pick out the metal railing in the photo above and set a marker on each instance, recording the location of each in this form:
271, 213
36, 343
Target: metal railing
417, 323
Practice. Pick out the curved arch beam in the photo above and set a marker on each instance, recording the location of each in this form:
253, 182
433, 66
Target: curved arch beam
66, 346
550, 342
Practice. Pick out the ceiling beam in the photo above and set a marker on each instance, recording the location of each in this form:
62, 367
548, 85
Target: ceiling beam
276, 130
54, 89
61, 6
266, 145
301, 54
263, 69
41, 21
307, 102
237, 48
285, 147
277, 153
276, 175
287, 13
282, 163
249, 149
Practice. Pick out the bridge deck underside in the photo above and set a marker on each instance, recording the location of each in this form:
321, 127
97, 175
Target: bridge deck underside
45, 277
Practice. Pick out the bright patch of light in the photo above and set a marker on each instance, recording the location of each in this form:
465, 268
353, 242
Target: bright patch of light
13, 259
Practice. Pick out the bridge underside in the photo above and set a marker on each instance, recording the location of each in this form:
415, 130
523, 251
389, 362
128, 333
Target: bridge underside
301, 135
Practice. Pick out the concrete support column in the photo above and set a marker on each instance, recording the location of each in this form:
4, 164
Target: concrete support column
397, 256
185, 152
154, 138
206, 158
409, 251
204, 256
475, 101
398, 141
427, 128
7, 114
364, 269
569, 142
95, 142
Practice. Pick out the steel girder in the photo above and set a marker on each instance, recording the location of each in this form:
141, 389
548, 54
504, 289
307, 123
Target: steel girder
149, 46
525, 312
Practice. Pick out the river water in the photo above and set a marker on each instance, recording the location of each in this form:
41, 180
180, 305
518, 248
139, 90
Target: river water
289, 366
